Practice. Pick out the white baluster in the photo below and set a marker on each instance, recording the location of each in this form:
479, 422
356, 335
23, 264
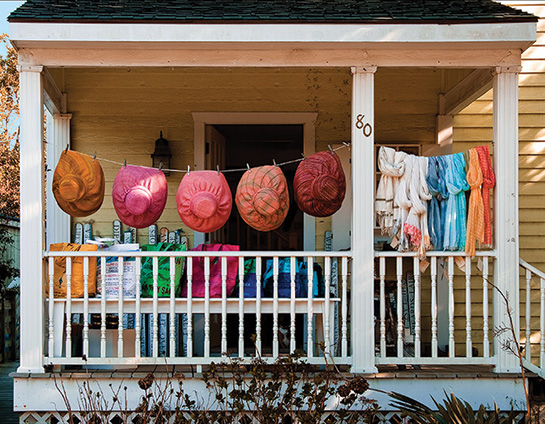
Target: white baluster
103, 307
310, 308
451, 343
344, 324
528, 346
137, 318
224, 306
155, 327
275, 307
86, 306
486, 343
189, 352
417, 307
399, 305
293, 266
327, 341
258, 306
542, 323
434, 347
51, 349
382, 272
469, 344
120, 268
68, 307
207, 307
172, 266
241, 307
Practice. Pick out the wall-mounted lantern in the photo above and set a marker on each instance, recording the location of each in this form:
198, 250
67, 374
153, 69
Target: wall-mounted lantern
161, 156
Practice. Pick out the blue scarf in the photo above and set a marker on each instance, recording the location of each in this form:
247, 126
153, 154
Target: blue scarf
434, 181
455, 216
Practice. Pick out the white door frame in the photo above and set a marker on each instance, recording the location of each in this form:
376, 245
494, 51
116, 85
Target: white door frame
307, 119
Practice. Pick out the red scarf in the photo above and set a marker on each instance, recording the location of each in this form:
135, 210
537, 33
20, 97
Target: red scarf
489, 181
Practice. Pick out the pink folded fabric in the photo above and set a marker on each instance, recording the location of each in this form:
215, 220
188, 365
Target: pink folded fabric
139, 195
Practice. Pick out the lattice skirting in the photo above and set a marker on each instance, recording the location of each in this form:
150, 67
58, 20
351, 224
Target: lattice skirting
117, 418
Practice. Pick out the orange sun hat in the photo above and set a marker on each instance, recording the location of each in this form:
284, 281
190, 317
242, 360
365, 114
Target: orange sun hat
78, 184
262, 198
139, 195
204, 200
320, 184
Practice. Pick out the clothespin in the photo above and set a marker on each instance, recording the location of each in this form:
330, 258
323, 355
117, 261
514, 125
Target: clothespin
330, 149
125, 163
303, 155
188, 169
274, 162
67, 146
94, 156
346, 144
248, 166
218, 168
160, 166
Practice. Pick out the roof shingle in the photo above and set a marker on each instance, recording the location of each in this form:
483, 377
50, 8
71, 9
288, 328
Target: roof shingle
304, 11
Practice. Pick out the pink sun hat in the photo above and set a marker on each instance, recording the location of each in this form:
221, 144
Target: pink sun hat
139, 195
204, 200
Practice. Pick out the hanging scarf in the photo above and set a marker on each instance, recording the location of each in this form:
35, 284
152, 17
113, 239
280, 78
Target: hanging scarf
434, 182
403, 202
416, 226
444, 195
475, 216
489, 181
455, 217
392, 166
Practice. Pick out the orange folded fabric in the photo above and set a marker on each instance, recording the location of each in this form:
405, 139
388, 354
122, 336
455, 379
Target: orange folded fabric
475, 215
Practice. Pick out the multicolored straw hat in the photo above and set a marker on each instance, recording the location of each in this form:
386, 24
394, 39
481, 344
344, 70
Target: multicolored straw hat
204, 200
262, 198
78, 184
139, 195
320, 184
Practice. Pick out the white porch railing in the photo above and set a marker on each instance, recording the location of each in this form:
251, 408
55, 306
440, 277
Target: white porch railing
533, 333
312, 319
448, 291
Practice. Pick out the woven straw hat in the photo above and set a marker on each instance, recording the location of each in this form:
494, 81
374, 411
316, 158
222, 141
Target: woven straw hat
204, 200
320, 184
78, 184
139, 195
262, 198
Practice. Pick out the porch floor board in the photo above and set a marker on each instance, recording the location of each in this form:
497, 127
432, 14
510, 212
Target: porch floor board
441, 371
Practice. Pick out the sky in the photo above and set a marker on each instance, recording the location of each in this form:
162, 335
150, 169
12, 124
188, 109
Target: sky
6, 7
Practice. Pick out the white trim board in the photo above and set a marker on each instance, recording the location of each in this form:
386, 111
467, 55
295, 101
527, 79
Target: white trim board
307, 119
518, 34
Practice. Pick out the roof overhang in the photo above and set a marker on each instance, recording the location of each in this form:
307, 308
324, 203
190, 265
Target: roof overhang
515, 35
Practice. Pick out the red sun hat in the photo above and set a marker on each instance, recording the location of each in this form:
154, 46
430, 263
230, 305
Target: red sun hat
204, 200
320, 184
139, 195
262, 198
78, 184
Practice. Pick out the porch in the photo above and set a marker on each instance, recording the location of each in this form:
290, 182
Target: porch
380, 309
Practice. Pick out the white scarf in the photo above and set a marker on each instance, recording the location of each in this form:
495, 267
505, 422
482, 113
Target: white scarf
402, 200
392, 166
415, 228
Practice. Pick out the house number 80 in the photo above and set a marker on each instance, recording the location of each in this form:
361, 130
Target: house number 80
366, 128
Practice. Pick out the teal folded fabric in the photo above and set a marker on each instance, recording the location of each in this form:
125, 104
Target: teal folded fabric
456, 212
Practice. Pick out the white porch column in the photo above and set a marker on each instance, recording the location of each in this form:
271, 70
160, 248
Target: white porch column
363, 190
58, 222
506, 271
32, 218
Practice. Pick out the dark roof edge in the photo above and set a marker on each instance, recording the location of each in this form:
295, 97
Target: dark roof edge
383, 21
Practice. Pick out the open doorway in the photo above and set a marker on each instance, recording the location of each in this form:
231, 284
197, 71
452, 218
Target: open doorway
235, 146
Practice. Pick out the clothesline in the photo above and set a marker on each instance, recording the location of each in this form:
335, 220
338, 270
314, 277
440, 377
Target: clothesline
188, 170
